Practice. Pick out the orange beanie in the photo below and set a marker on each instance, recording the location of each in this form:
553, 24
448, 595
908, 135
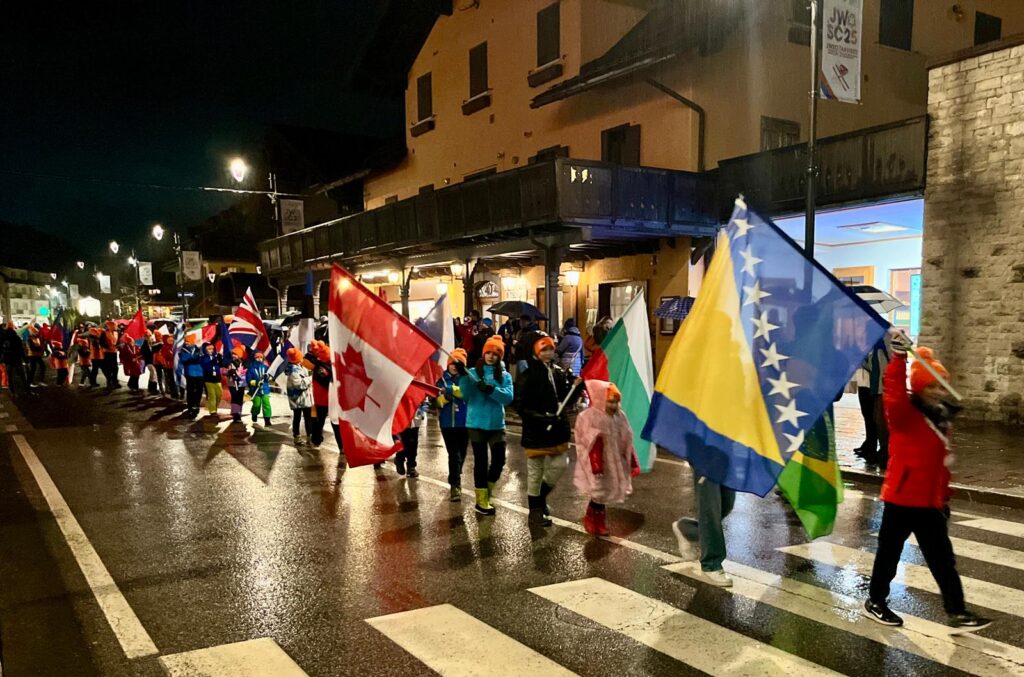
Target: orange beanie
458, 355
495, 345
920, 378
542, 343
614, 394
294, 355
190, 339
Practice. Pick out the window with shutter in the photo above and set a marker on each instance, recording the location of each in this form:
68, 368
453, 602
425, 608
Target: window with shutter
896, 23
548, 35
987, 28
478, 70
424, 97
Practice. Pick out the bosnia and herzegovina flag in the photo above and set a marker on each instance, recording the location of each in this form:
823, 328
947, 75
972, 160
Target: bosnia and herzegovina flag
770, 343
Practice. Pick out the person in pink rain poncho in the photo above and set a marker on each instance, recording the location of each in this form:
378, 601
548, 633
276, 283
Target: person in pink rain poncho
605, 459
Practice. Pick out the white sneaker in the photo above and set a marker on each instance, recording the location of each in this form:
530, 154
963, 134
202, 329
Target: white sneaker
687, 550
719, 578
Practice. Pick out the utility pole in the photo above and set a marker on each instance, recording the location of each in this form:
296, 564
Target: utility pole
812, 159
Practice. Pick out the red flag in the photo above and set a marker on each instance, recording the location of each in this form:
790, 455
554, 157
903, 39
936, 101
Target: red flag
375, 353
596, 367
136, 329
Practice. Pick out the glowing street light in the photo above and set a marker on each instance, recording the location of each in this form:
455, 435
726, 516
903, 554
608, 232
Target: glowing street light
158, 232
394, 277
80, 264
114, 246
132, 261
238, 169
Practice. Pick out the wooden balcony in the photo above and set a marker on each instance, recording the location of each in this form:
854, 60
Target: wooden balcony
601, 201
877, 162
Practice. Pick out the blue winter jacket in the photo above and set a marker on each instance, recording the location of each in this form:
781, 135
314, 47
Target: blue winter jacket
260, 373
190, 359
453, 413
211, 365
486, 412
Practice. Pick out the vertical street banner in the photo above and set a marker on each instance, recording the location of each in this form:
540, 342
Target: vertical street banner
146, 273
104, 283
292, 216
73, 291
840, 50
191, 266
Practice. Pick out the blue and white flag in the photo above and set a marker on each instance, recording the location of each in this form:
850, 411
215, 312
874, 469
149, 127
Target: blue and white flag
438, 325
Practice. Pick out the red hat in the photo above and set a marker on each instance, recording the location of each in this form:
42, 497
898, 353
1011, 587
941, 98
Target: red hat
458, 355
542, 343
495, 345
294, 355
920, 377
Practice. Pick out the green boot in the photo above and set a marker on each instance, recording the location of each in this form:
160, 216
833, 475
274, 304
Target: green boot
455, 494
483, 504
490, 490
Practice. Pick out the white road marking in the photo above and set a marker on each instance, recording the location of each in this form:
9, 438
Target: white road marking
918, 636
126, 625
984, 552
254, 658
982, 593
451, 642
1005, 527
687, 638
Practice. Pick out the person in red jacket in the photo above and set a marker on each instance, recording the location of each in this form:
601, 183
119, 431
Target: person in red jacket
916, 488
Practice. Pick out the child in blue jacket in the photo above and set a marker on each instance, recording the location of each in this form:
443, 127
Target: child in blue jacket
258, 374
452, 418
487, 388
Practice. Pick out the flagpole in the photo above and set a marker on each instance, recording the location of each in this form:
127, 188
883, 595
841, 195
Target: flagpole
934, 372
812, 168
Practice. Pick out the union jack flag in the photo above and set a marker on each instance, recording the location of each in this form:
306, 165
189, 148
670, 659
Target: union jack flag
248, 324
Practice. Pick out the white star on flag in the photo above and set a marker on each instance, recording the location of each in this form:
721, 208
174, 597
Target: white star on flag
773, 357
795, 442
741, 228
782, 386
754, 294
764, 327
790, 414
749, 260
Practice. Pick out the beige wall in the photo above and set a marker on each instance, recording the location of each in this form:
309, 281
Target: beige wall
758, 72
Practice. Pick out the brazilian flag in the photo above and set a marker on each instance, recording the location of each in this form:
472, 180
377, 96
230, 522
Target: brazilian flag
811, 480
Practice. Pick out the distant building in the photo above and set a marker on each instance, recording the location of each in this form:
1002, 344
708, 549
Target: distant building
28, 296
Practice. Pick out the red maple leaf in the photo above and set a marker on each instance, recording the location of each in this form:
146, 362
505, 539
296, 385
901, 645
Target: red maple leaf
353, 383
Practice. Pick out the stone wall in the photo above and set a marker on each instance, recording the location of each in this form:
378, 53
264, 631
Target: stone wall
973, 267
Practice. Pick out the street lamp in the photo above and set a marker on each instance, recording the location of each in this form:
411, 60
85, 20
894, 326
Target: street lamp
239, 169
114, 246
457, 269
80, 264
158, 233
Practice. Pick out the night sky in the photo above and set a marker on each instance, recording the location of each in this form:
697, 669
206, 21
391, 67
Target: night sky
164, 93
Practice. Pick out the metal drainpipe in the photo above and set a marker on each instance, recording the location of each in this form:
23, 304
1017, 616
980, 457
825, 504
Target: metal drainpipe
701, 116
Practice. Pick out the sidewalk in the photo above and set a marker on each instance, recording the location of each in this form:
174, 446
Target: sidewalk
988, 457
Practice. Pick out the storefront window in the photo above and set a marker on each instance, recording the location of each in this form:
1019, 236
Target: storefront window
900, 283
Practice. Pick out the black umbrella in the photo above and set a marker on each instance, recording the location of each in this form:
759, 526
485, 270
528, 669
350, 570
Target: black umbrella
880, 301
517, 309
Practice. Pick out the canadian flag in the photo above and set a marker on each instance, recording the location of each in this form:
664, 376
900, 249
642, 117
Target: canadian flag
375, 353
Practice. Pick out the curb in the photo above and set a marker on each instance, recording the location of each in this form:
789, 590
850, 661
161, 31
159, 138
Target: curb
961, 492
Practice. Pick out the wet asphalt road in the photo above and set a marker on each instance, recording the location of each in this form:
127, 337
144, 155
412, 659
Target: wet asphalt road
216, 533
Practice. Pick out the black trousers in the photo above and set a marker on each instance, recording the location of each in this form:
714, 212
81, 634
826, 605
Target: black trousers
62, 376
170, 383
410, 438
867, 411
456, 441
94, 371
299, 415
194, 387
35, 363
929, 525
487, 470
318, 419
110, 370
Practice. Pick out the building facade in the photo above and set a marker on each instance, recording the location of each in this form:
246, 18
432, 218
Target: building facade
973, 276
573, 153
27, 296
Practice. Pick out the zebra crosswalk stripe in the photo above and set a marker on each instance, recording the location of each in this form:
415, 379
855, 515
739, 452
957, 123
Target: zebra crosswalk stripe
1005, 527
451, 642
918, 636
687, 638
983, 593
994, 554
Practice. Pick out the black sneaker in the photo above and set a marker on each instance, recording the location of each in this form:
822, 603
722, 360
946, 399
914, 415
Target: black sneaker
400, 469
412, 473
968, 622
880, 613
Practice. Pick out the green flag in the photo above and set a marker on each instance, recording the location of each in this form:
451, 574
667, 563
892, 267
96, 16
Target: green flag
811, 481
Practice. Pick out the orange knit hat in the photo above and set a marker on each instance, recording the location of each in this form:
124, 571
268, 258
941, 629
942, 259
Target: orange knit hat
495, 345
921, 378
542, 343
458, 355
190, 339
614, 394
294, 355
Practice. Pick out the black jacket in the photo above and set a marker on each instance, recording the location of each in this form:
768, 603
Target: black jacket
539, 391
